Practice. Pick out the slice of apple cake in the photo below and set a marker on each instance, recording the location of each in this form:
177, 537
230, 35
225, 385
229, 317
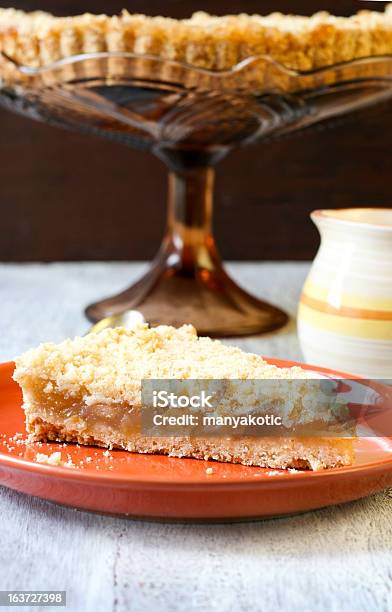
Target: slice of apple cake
89, 390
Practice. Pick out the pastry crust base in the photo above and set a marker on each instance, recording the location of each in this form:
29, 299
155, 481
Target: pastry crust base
275, 453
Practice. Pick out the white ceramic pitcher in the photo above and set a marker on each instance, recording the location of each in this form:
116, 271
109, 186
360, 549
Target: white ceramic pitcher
345, 312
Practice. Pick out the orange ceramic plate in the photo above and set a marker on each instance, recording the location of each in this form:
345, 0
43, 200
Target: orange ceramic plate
157, 487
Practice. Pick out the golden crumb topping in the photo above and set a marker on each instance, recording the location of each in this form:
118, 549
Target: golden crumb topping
109, 366
205, 41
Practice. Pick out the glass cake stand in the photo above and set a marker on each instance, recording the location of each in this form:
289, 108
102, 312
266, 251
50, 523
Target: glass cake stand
190, 118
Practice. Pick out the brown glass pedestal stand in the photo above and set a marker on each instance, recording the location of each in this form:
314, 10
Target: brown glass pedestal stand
187, 281
190, 118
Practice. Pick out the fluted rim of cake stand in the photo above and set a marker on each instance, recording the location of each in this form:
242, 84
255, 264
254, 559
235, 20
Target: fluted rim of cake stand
31, 71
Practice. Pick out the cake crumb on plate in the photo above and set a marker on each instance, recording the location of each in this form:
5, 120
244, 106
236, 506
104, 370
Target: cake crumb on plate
53, 459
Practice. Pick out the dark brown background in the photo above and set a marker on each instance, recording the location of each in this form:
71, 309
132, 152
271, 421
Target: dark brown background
68, 197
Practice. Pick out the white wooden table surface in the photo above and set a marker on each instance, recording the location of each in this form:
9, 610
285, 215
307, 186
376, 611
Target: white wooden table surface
336, 559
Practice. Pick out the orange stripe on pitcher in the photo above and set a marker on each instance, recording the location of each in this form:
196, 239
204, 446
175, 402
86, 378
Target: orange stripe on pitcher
346, 311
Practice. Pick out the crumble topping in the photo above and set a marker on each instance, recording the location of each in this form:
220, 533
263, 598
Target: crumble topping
108, 367
205, 41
